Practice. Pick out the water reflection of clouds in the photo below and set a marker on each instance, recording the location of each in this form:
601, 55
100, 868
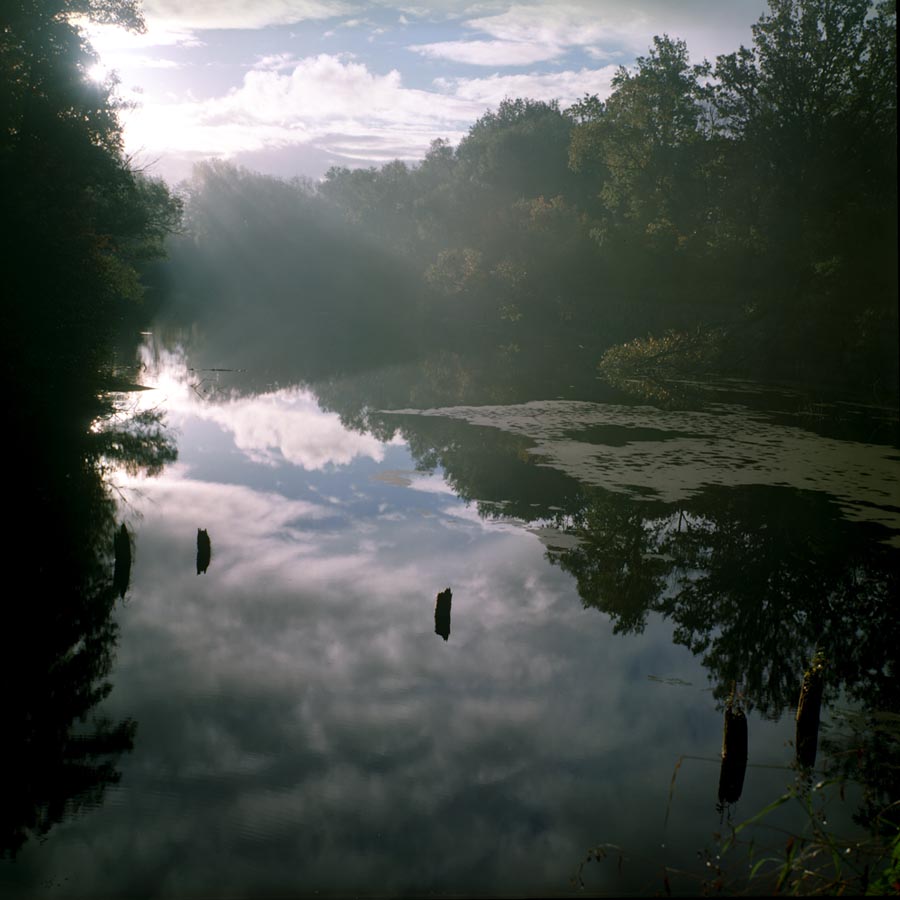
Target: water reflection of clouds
296, 709
284, 425
295, 703
321, 721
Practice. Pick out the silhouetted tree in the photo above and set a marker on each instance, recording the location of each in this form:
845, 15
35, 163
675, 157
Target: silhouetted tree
81, 218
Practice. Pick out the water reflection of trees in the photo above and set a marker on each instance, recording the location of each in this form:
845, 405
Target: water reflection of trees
759, 582
754, 579
57, 651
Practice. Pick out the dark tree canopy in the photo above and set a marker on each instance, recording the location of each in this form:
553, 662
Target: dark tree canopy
81, 219
80, 224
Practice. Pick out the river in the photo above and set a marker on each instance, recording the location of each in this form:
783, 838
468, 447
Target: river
615, 572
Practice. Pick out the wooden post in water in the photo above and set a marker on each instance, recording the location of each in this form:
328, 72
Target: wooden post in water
122, 569
734, 754
442, 613
809, 708
204, 550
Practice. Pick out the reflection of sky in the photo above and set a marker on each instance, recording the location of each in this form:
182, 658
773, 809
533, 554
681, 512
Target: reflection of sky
284, 425
302, 728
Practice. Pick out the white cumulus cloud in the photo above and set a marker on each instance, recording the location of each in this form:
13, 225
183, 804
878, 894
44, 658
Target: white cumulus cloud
327, 99
567, 87
199, 14
489, 53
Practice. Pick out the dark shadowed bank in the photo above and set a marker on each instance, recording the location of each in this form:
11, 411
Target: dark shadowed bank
79, 223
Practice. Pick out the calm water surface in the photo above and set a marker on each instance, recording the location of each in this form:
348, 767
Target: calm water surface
617, 569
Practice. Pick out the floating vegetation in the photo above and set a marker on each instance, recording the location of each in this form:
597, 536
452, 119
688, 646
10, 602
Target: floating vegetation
645, 451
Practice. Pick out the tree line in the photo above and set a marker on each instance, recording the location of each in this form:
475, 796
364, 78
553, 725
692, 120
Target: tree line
737, 216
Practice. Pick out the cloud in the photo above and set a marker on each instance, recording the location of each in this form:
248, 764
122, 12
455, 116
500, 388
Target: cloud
605, 55
288, 426
282, 426
142, 61
326, 100
319, 88
114, 62
295, 113
110, 39
567, 87
430, 484
527, 34
277, 693
260, 513
489, 53
275, 62
200, 14
563, 25
337, 106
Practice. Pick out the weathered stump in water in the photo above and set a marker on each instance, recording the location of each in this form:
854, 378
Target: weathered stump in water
122, 569
204, 550
809, 708
734, 756
442, 613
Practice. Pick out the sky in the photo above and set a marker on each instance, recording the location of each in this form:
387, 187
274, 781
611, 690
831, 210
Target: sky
293, 87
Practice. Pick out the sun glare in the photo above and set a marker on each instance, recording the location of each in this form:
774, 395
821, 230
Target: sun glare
98, 72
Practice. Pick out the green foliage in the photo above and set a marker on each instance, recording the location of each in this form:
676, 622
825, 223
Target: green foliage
888, 882
616, 565
81, 219
815, 860
518, 151
454, 271
792, 846
647, 366
643, 149
809, 122
742, 213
